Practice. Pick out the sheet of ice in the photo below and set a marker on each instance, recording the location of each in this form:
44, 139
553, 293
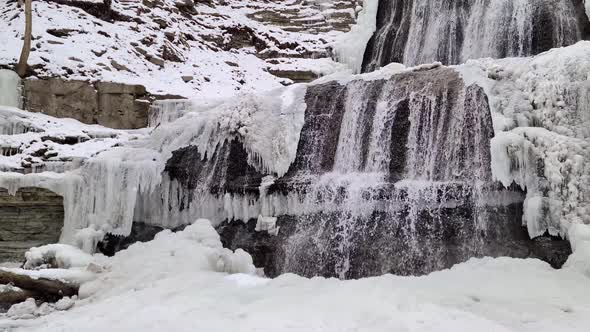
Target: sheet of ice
10, 89
176, 282
349, 48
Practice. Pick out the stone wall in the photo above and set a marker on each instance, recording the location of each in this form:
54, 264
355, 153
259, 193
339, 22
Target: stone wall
32, 217
113, 105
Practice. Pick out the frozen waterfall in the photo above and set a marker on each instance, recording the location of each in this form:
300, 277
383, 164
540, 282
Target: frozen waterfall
10, 89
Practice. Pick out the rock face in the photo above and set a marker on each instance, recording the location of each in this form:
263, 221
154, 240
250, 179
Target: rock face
422, 31
32, 217
390, 176
113, 105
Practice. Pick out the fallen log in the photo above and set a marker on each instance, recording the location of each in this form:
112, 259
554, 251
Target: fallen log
14, 296
41, 289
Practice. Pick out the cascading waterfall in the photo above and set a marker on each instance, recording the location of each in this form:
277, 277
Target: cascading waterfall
397, 166
384, 172
419, 31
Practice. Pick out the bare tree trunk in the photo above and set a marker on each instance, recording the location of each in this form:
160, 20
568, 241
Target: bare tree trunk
21, 67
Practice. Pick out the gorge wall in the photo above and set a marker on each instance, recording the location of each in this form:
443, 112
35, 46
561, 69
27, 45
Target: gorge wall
29, 218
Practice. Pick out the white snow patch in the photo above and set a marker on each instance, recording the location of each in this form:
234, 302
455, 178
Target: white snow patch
175, 283
63, 256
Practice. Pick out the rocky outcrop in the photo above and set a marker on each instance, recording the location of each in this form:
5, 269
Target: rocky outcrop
32, 217
113, 105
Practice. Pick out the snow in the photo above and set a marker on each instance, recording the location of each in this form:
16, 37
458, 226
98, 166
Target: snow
61, 256
579, 260
29, 309
349, 48
75, 275
23, 310
185, 281
34, 142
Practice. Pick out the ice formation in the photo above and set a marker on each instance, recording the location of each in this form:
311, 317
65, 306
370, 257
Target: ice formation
349, 48
10, 89
61, 256
541, 111
268, 124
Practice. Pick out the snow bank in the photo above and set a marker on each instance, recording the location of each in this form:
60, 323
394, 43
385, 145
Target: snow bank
349, 48
176, 283
170, 258
10, 89
29, 309
61, 256
579, 260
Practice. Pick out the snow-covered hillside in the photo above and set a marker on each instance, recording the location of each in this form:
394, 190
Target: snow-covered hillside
180, 47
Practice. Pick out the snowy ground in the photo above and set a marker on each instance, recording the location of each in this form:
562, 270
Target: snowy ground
186, 282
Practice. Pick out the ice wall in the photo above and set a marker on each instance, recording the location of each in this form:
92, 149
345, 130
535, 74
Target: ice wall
10, 89
541, 111
420, 31
349, 48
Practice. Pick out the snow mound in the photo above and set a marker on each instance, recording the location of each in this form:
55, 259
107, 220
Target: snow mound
168, 258
61, 256
173, 283
579, 260
29, 309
